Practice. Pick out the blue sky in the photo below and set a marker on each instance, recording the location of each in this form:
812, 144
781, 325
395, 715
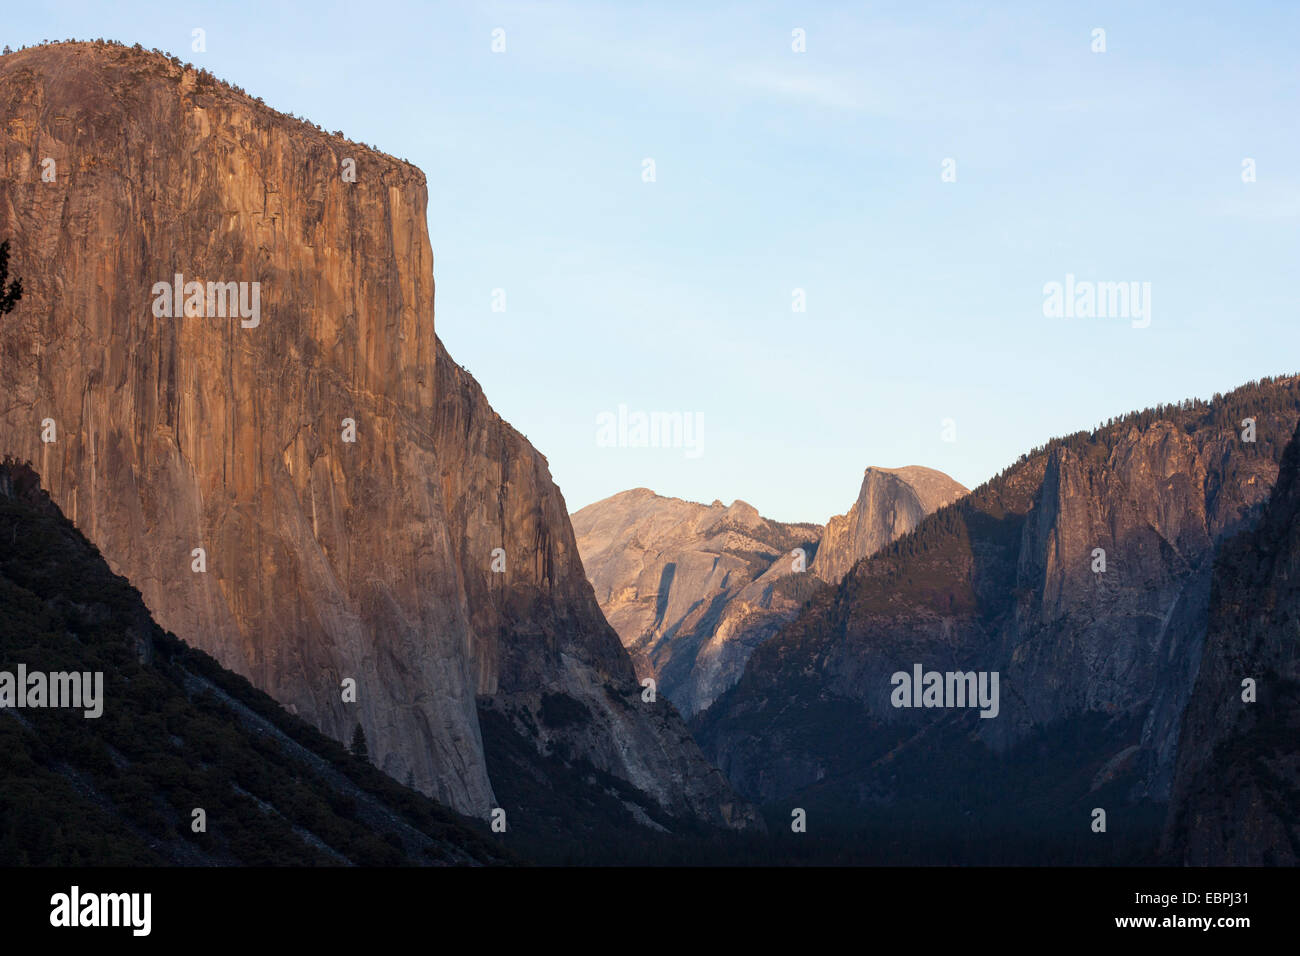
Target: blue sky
821, 170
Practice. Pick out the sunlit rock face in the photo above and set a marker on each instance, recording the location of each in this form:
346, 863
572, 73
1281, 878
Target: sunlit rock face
346, 481
891, 503
693, 589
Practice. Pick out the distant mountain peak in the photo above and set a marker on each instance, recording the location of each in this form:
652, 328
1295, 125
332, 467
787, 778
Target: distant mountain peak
891, 502
692, 589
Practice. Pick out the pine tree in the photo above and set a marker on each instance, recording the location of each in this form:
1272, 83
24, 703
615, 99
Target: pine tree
8, 296
359, 743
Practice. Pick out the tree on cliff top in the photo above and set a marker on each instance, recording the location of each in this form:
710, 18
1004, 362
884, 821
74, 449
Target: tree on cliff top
10, 295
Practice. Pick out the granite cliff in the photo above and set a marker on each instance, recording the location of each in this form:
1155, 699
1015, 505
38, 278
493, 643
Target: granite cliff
891, 502
1081, 575
1236, 787
361, 511
692, 588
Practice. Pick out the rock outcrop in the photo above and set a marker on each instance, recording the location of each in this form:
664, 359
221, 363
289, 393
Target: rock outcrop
429, 560
691, 589
1096, 666
891, 502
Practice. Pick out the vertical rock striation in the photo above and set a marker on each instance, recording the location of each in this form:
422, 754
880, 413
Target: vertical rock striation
325, 559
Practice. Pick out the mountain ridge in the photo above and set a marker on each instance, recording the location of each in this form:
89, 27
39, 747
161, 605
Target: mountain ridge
693, 588
1004, 580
